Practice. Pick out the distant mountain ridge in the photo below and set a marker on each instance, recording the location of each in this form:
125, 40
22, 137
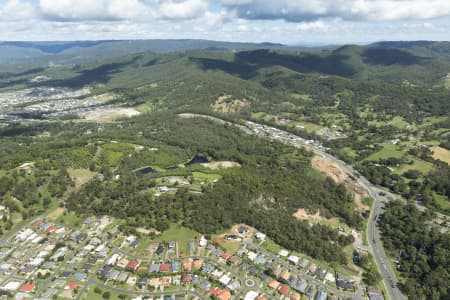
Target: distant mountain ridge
85, 51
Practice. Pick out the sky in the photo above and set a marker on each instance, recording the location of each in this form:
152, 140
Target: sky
293, 22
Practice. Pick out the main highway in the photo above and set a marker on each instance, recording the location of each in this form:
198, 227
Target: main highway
380, 196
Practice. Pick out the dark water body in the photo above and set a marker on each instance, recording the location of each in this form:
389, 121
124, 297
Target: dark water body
147, 170
197, 160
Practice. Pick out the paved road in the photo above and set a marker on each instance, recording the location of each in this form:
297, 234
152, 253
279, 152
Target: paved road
375, 245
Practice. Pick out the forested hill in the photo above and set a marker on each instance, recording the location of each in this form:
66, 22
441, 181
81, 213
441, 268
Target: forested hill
413, 63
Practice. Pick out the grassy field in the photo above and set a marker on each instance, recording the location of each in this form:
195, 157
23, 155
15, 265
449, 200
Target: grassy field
418, 164
440, 132
309, 127
347, 151
112, 153
441, 154
71, 219
91, 295
199, 176
271, 246
389, 150
442, 201
55, 214
231, 247
177, 233
397, 121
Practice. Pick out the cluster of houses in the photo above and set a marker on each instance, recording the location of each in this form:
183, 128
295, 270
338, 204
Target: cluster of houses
46, 249
285, 278
208, 277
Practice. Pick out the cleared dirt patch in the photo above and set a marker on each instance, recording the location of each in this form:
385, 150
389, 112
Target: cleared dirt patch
332, 170
302, 214
442, 154
229, 104
56, 213
109, 114
221, 165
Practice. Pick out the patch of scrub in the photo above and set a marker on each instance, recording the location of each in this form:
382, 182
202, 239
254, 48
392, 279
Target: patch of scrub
80, 176
229, 104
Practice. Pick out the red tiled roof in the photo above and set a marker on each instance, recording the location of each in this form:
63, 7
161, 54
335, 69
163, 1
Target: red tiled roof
27, 287
215, 291
72, 285
198, 264
187, 278
52, 228
187, 265
295, 296
274, 284
224, 295
132, 265
225, 255
37, 223
164, 268
262, 298
284, 290
233, 260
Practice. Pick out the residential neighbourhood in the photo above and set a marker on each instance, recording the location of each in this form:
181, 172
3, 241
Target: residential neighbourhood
49, 260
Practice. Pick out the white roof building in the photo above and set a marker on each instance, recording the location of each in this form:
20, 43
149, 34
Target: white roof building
100, 248
37, 261
252, 255
43, 253
131, 239
260, 236
225, 279
12, 286
251, 295
203, 242
283, 253
217, 273
23, 235
330, 277
37, 239
294, 259
113, 259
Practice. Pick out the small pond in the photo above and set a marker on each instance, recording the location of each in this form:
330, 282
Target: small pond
197, 160
147, 170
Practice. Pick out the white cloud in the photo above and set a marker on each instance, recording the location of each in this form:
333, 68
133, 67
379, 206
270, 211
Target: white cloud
187, 9
15, 10
304, 10
316, 25
215, 18
70, 10
335, 21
